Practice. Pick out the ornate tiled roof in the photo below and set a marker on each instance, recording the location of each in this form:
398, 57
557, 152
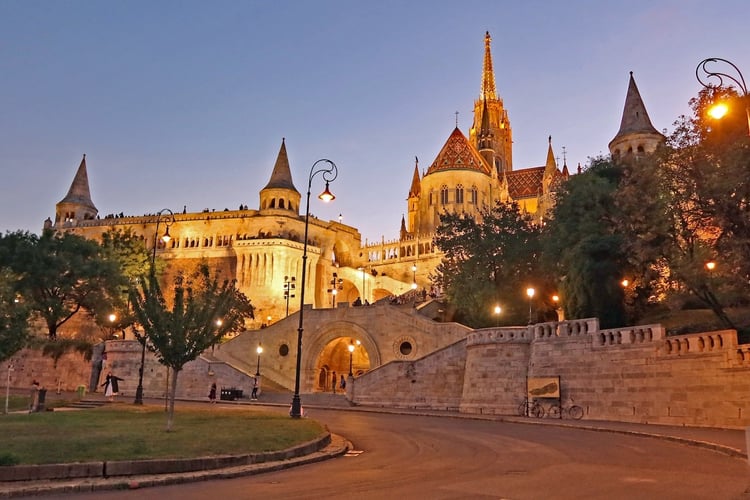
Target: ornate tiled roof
525, 183
457, 154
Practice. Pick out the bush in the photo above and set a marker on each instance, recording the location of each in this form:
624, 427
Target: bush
7, 459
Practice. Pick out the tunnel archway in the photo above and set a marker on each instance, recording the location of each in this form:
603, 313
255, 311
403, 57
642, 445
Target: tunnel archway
332, 354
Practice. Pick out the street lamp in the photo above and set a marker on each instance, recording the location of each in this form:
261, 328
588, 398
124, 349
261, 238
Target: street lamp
530, 292
351, 353
112, 318
498, 310
703, 74
259, 350
288, 290
336, 285
414, 277
168, 217
330, 172
710, 265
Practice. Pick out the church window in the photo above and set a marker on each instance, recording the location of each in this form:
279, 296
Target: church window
273, 203
459, 194
473, 195
444, 195
281, 203
432, 198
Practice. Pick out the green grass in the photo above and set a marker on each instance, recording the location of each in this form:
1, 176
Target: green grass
20, 403
124, 433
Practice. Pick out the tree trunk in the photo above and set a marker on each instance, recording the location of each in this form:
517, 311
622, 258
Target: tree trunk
172, 393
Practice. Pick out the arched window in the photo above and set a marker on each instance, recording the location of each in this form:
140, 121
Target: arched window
473, 196
273, 203
432, 198
443, 194
281, 203
459, 194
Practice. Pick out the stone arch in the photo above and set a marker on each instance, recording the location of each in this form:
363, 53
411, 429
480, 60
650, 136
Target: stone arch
321, 339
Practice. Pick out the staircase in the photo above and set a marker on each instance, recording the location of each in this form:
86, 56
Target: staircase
86, 404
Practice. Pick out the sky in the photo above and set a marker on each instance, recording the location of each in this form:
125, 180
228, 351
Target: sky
185, 103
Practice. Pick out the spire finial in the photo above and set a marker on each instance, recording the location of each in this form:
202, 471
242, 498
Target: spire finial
565, 155
488, 74
549, 140
456, 113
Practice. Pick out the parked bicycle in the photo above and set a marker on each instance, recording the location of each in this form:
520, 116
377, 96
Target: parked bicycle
558, 411
531, 409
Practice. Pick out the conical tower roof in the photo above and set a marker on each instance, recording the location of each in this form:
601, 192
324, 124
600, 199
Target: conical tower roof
281, 177
551, 163
79, 192
634, 115
457, 154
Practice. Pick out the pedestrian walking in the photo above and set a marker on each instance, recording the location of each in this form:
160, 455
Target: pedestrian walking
334, 381
212, 393
111, 386
342, 385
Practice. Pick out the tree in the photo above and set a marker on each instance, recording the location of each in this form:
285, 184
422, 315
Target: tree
59, 274
582, 247
202, 311
489, 261
13, 317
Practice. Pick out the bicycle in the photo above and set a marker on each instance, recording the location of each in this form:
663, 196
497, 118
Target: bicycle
558, 411
531, 409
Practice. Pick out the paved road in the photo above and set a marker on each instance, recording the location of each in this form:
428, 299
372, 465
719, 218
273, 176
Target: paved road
408, 456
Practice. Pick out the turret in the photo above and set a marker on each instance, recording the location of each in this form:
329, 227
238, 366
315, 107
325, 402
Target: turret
415, 192
280, 193
637, 136
77, 204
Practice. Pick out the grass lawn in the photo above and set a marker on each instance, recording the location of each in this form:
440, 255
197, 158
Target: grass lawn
18, 403
127, 432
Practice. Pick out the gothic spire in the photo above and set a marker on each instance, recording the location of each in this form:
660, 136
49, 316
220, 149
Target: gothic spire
416, 185
488, 75
281, 177
79, 192
550, 163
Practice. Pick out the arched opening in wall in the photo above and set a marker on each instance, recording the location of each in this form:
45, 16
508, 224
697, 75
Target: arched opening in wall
335, 358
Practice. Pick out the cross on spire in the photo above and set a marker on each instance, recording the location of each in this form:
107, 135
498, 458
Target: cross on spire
456, 113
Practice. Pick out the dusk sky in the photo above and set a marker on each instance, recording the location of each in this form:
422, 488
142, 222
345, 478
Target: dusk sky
185, 103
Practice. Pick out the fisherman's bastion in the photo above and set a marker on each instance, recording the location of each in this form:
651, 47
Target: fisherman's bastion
372, 313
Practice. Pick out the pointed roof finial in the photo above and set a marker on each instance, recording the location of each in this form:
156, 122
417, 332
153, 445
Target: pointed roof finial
416, 185
281, 177
488, 90
551, 163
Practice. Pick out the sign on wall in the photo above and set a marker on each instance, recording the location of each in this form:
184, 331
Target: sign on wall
542, 387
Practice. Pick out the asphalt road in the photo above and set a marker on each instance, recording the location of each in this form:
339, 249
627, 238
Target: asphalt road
415, 457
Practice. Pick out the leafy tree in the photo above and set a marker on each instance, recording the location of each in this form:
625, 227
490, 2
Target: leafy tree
489, 261
582, 247
59, 274
180, 332
13, 317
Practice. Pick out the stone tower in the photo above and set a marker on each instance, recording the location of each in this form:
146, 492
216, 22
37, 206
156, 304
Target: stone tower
491, 133
637, 136
77, 204
280, 193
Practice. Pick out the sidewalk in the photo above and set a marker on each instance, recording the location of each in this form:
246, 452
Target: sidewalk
728, 441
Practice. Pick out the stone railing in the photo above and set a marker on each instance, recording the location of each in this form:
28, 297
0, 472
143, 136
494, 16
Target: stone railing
498, 335
629, 335
697, 343
564, 329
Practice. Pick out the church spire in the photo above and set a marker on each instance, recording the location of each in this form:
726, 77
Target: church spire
488, 74
415, 188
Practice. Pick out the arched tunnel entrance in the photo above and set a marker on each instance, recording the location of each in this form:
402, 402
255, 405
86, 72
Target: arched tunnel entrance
336, 357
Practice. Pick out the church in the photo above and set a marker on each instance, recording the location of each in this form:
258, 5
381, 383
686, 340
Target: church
262, 247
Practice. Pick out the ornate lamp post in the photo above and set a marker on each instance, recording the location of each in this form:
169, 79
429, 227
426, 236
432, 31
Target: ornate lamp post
703, 74
168, 217
259, 350
414, 277
498, 310
289, 285
530, 292
330, 172
336, 285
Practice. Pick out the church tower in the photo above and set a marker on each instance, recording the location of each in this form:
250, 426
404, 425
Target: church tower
280, 193
77, 204
491, 133
414, 193
637, 136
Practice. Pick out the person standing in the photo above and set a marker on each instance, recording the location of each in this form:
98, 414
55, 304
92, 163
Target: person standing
111, 387
342, 385
334, 381
212, 393
254, 394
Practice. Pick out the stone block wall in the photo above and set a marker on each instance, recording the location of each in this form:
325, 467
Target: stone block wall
70, 371
435, 381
